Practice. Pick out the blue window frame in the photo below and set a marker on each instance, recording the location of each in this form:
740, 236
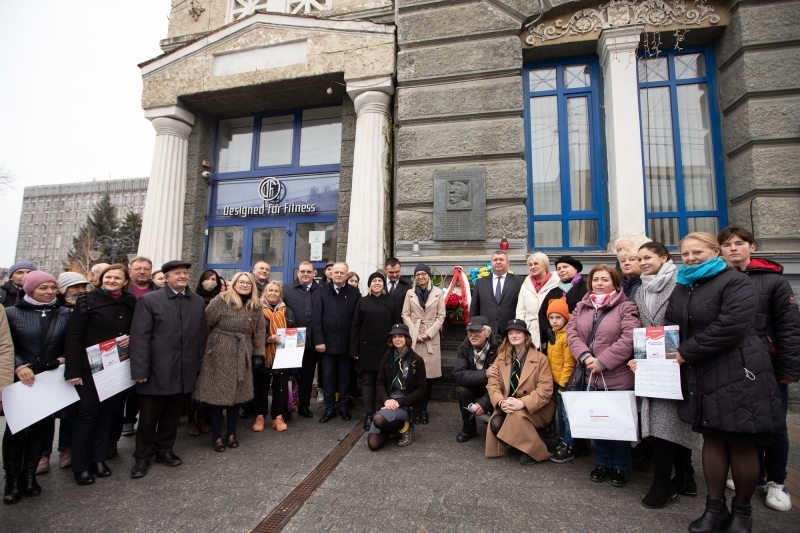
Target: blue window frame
566, 200
302, 147
681, 144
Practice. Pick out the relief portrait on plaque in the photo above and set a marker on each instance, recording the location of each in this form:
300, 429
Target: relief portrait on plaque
459, 196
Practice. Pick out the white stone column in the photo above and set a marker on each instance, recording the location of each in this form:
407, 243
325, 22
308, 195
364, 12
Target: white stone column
162, 221
617, 51
370, 194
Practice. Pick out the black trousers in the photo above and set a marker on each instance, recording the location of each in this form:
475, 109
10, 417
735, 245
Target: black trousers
369, 378
336, 372
91, 434
306, 381
158, 424
118, 415
466, 396
131, 406
261, 383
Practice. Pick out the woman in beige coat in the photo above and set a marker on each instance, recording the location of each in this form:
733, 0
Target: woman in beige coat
423, 313
522, 397
533, 292
236, 331
6, 355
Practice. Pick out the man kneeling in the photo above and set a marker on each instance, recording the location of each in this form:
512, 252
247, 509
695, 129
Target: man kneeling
522, 396
474, 367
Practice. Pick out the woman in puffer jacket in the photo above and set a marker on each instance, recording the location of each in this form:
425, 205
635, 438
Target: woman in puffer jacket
607, 355
730, 393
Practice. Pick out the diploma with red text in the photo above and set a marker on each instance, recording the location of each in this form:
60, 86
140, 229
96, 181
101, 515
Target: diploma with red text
111, 368
658, 374
289, 353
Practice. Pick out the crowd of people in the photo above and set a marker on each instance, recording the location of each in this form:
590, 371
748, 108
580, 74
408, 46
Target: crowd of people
210, 352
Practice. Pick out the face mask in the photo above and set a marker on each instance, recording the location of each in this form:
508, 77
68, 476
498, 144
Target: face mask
209, 285
71, 299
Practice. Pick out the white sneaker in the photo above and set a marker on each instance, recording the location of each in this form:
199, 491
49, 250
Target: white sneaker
320, 395
777, 497
729, 485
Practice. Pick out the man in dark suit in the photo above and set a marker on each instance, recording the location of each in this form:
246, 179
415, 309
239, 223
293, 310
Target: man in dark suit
299, 297
396, 288
168, 339
332, 314
496, 295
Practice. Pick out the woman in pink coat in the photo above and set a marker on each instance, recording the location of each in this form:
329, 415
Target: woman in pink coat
607, 354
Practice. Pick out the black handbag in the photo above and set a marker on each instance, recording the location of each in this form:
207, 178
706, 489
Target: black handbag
577, 381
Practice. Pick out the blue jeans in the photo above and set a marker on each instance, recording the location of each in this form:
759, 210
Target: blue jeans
563, 421
615, 454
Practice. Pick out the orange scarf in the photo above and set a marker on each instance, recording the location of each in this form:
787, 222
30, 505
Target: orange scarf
277, 320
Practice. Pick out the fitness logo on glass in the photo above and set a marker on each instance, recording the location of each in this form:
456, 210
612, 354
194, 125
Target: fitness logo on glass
271, 190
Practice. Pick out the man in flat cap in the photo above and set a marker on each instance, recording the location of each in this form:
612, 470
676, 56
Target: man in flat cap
474, 366
168, 338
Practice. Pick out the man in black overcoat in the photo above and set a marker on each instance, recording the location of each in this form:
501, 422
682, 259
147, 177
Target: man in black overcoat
495, 296
331, 321
168, 338
396, 288
299, 297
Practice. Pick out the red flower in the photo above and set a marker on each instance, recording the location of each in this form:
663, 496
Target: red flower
454, 300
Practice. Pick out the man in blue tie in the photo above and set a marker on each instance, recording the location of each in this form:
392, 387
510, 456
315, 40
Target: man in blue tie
495, 296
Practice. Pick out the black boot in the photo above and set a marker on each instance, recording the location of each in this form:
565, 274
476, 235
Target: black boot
368, 421
713, 518
661, 491
33, 452
684, 481
12, 464
741, 519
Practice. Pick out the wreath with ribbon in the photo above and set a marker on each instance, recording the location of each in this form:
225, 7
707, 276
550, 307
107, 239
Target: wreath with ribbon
457, 298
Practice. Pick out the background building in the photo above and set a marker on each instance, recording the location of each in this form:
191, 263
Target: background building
53, 214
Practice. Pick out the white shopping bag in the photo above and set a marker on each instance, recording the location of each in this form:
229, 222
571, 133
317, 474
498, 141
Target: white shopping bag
602, 414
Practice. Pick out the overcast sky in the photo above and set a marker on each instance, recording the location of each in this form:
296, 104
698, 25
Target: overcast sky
70, 94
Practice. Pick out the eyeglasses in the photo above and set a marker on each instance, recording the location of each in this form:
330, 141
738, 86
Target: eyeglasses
244, 283
420, 274
306, 271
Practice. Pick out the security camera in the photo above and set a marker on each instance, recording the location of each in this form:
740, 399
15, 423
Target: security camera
206, 174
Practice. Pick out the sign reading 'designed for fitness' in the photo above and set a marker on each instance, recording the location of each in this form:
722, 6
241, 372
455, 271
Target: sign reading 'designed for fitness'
310, 194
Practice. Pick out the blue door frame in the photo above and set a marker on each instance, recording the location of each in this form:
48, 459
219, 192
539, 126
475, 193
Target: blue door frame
288, 223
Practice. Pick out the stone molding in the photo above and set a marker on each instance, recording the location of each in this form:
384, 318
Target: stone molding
621, 13
272, 21
174, 112
170, 126
619, 40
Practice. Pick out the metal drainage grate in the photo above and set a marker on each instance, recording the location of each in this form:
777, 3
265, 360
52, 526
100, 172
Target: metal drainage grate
285, 510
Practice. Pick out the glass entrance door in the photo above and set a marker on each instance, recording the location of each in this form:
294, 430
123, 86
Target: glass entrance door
283, 242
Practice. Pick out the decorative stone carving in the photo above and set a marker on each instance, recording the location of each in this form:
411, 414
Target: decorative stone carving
195, 9
620, 13
238, 9
307, 6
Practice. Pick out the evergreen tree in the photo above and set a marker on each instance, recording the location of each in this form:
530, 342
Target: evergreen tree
102, 221
130, 228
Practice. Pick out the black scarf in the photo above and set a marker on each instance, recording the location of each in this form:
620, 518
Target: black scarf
422, 295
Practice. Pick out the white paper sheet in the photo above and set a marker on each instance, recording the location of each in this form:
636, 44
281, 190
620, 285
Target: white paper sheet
658, 378
25, 405
289, 353
111, 368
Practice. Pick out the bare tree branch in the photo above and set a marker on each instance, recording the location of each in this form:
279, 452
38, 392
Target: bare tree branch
6, 179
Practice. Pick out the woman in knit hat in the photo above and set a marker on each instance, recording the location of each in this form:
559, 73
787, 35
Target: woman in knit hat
423, 313
372, 321
70, 286
38, 329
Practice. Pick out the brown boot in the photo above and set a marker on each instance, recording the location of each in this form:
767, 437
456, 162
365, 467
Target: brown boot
194, 431
200, 418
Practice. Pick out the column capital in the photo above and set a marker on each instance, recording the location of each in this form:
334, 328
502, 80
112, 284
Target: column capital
616, 41
171, 126
380, 83
174, 112
373, 102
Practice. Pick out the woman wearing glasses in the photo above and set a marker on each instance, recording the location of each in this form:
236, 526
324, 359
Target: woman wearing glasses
236, 332
423, 313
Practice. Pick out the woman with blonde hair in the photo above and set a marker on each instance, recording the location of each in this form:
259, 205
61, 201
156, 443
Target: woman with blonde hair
277, 316
532, 295
730, 393
522, 396
236, 331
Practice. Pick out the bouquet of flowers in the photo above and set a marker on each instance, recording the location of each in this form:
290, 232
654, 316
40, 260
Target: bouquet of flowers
458, 297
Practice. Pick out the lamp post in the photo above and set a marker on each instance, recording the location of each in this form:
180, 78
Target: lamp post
104, 242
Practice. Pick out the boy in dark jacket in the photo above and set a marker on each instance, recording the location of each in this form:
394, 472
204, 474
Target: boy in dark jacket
474, 365
778, 325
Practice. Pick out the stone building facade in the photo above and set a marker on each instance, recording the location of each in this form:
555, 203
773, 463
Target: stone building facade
587, 120
53, 214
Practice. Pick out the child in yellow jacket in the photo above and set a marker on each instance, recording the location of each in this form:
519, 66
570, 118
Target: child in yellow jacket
562, 364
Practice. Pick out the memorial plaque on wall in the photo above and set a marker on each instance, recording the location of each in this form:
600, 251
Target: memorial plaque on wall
459, 205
